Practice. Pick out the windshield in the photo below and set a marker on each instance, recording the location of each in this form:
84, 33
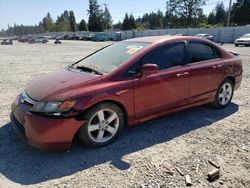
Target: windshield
112, 57
246, 36
199, 35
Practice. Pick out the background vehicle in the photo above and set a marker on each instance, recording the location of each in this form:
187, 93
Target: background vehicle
205, 36
243, 40
123, 84
90, 37
7, 42
24, 38
38, 39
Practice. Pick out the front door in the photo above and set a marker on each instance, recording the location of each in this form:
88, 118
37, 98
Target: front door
166, 89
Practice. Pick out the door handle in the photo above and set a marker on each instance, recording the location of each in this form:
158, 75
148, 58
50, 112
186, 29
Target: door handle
182, 74
217, 66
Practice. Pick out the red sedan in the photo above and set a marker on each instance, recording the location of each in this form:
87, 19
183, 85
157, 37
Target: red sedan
126, 83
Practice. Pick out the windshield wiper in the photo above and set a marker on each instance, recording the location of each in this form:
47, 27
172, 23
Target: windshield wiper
89, 69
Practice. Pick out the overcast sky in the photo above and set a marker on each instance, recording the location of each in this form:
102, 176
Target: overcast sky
30, 12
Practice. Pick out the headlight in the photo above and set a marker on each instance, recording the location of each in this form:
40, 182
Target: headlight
53, 108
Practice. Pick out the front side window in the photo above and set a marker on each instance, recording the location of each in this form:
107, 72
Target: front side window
201, 52
166, 56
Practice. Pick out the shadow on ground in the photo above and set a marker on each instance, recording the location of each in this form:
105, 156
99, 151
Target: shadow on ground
23, 164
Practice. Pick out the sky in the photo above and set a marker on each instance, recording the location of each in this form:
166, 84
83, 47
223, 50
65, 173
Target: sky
30, 12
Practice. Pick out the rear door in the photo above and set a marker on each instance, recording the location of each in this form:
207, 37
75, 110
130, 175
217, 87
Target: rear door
206, 70
166, 89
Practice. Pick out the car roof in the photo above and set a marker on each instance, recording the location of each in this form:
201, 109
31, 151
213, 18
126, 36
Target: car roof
160, 39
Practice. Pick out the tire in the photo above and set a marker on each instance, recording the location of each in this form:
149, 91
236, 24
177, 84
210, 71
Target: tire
236, 45
224, 94
105, 122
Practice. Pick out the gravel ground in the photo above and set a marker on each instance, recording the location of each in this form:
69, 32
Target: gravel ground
143, 156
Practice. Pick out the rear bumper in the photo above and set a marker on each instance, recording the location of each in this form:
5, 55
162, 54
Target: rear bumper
48, 134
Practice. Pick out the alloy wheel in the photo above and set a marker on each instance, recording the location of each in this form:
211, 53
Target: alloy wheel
225, 94
103, 125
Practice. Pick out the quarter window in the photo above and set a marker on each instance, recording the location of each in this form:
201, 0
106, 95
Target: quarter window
201, 52
167, 56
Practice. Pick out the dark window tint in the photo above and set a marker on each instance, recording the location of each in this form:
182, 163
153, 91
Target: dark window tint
201, 52
166, 56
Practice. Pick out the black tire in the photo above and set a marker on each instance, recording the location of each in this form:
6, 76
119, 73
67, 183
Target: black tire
236, 45
88, 138
217, 101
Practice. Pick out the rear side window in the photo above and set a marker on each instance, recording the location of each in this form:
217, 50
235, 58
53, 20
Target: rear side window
166, 56
201, 52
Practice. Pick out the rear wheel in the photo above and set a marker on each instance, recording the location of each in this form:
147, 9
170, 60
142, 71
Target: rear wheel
224, 94
104, 122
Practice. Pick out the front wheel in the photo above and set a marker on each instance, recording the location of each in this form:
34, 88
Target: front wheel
104, 122
224, 94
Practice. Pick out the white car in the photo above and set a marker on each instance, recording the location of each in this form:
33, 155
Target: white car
243, 40
38, 39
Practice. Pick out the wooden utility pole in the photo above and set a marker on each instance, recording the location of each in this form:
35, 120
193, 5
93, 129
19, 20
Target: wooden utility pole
106, 24
229, 13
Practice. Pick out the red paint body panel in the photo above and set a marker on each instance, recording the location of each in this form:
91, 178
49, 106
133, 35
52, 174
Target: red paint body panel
161, 91
48, 134
141, 99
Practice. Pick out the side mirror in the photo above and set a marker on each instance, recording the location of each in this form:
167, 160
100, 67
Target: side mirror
148, 69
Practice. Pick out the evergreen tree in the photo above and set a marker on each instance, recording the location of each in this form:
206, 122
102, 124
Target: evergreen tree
241, 12
72, 22
185, 11
82, 25
117, 26
211, 18
220, 14
48, 24
128, 22
107, 18
95, 16
61, 24
125, 24
65, 16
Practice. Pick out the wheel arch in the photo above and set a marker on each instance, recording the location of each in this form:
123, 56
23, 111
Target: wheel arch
230, 78
80, 116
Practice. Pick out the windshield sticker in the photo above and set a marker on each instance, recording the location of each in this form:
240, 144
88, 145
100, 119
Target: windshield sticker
132, 49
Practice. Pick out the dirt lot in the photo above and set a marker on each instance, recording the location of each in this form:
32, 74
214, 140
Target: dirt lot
143, 156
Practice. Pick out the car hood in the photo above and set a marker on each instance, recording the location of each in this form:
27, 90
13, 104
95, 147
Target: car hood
55, 82
245, 39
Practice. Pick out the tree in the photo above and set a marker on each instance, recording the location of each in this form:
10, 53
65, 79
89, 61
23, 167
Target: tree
117, 26
65, 16
39, 28
82, 25
72, 22
220, 14
241, 12
211, 18
48, 24
187, 10
95, 16
128, 22
151, 21
61, 24
107, 18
